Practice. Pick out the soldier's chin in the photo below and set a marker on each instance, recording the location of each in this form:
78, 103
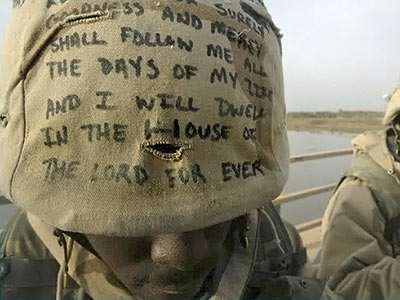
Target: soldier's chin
187, 292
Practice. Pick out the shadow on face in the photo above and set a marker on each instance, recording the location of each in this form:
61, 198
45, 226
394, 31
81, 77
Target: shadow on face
167, 266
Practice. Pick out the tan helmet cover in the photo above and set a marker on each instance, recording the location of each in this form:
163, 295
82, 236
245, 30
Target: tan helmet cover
393, 108
132, 118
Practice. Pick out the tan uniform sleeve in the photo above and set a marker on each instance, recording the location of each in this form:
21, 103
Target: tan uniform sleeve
355, 257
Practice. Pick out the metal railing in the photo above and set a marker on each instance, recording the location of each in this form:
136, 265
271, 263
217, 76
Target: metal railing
320, 155
291, 197
309, 225
287, 198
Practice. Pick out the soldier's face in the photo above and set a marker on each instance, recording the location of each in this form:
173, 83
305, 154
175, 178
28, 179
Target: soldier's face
169, 266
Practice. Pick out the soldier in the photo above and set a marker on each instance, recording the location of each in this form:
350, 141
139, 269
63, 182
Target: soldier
144, 141
361, 242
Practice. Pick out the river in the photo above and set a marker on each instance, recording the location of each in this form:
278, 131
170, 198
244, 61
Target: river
302, 175
311, 174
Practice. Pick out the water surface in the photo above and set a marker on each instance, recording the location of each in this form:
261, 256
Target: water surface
305, 175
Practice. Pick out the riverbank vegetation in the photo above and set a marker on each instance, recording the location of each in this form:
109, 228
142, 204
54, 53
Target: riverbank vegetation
342, 121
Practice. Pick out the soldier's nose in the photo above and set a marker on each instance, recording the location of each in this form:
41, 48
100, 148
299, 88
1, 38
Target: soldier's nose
182, 251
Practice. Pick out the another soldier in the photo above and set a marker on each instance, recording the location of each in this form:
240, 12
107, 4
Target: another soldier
361, 228
140, 139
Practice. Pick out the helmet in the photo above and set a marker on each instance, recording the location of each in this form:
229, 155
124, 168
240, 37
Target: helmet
393, 108
134, 118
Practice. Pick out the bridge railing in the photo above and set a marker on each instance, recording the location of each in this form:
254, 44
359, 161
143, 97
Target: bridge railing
303, 194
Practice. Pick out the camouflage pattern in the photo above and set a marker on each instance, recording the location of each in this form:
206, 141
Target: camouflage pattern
357, 258
87, 274
19, 240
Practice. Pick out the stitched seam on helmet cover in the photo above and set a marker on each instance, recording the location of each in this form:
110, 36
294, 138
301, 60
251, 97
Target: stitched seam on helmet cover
260, 19
23, 140
176, 156
68, 22
88, 18
263, 20
30, 60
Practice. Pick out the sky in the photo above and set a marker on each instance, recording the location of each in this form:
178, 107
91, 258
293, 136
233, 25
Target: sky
338, 54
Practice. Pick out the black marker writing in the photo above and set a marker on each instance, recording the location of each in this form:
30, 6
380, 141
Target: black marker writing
242, 170
225, 77
116, 8
250, 134
59, 170
76, 40
185, 176
55, 137
214, 132
241, 18
129, 68
99, 132
156, 39
55, 107
248, 111
220, 52
150, 130
194, 2
254, 68
50, 3
104, 97
184, 18
242, 41
167, 101
120, 173
64, 68
258, 91
184, 72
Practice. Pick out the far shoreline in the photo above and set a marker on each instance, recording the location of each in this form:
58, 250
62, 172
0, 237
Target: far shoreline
341, 122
